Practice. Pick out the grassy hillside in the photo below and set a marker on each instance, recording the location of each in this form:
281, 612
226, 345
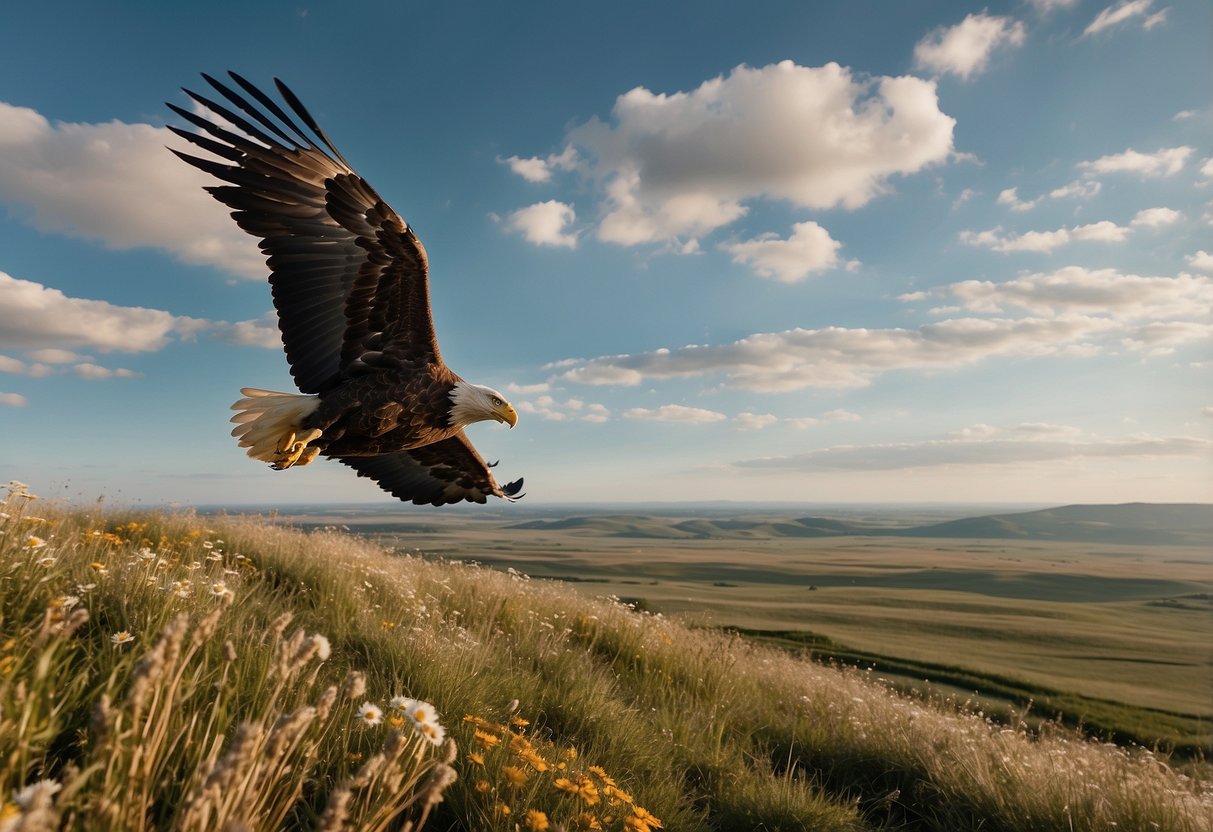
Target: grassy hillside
166, 672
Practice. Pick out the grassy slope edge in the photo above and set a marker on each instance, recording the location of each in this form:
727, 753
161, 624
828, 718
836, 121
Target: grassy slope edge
618, 710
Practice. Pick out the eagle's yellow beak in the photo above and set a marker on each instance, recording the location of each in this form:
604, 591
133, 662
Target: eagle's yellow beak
508, 415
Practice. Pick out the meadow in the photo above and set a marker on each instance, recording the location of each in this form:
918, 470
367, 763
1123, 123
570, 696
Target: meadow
1112, 637
177, 671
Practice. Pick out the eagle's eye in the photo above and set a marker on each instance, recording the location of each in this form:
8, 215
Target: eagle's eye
496, 402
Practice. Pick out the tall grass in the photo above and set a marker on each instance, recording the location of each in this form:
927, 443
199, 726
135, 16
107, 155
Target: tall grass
265, 688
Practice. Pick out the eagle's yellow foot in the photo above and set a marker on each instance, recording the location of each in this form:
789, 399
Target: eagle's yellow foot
293, 449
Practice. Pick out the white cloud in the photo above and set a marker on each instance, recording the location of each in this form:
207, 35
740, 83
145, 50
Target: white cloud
802, 422
528, 389
117, 184
1010, 198
1119, 13
537, 169
1045, 241
964, 49
545, 224
674, 413
1156, 217
840, 415
1206, 168
50, 325
1078, 188
13, 400
754, 421
1075, 290
1049, 6
53, 356
1207, 411
838, 357
1201, 260
996, 450
679, 165
1167, 161
809, 249
95, 372
34, 316
551, 409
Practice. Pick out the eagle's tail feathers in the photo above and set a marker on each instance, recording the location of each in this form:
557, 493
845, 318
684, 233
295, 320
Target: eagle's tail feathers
270, 425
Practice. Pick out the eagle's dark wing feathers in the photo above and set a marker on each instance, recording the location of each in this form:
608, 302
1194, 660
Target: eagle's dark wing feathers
445, 472
350, 279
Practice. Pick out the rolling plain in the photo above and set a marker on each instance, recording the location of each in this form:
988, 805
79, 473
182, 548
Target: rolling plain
1098, 615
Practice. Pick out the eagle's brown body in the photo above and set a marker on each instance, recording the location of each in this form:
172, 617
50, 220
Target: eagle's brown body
350, 283
378, 413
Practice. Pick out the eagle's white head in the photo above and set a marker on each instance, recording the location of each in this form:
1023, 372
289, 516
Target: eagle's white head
476, 403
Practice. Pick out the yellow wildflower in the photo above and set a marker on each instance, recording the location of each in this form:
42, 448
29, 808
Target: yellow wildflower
586, 820
476, 757
536, 821
641, 821
515, 775
483, 786
501, 809
486, 739
519, 721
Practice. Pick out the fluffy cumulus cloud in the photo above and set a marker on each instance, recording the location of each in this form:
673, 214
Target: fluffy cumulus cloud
809, 249
117, 184
965, 49
841, 357
1201, 260
991, 447
545, 224
540, 169
1129, 10
49, 326
13, 400
1046, 241
551, 409
674, 413
676, 166
1078, 290
754, 421
1167, 161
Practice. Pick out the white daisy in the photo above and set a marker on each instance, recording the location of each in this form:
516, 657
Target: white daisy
122, 637
369, 714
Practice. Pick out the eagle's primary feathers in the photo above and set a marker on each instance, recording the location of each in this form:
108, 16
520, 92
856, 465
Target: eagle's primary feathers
350, 283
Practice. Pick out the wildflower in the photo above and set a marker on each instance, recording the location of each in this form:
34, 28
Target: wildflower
146, 554
487, 739
45, 561
65, 602
220, 589
122, 637
602, 775
323, 648
432, 731
515, 775
85, 588
34, 542
369, 714
582, 788
586, 820
641, 821
400, 703
476, 757
536, 821
483, 786
501, 809
536, 762
519, 721
25, 797
98, 567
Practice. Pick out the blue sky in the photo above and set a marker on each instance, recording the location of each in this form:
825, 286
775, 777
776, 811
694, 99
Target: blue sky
817, 251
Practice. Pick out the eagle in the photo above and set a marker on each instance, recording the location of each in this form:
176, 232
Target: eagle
350, 283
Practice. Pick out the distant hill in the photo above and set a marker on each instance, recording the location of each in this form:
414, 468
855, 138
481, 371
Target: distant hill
1130, 523
1152, 524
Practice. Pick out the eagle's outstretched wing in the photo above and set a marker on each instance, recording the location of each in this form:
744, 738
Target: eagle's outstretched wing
350, 278
445, 472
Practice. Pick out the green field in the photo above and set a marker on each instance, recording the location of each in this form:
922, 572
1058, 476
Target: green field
1113, 637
